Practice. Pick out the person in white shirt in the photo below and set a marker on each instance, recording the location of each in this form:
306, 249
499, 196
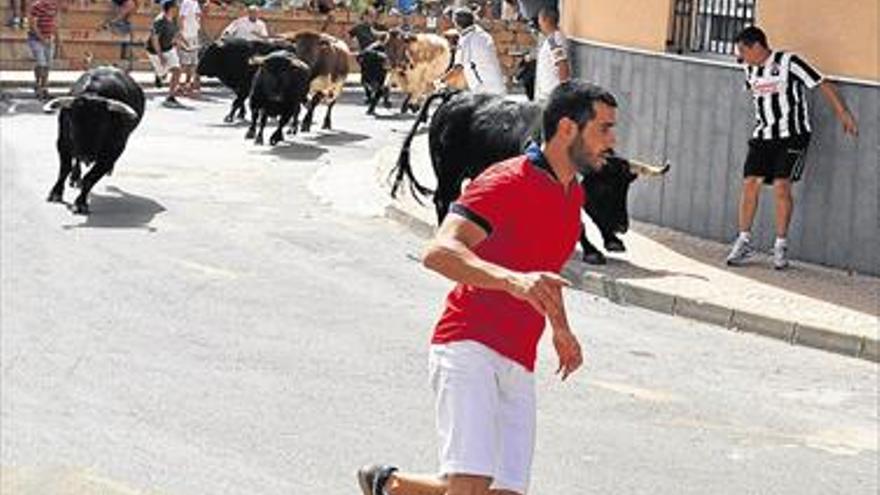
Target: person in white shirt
190, 24
249, 27
552, 64
475, 56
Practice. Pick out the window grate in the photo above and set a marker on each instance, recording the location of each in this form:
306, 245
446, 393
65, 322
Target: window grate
708, 26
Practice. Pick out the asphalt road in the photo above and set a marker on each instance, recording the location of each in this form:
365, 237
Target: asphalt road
234, 319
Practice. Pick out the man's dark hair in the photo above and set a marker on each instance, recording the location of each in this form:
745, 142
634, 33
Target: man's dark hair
167, 5
751, 35
463, 18
576, 100
551, 14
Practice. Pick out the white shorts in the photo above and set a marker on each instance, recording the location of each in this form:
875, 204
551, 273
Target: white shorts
485, 407
189, 56
171, 62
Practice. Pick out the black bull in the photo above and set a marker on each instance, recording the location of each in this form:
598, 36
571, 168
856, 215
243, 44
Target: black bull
280, 87
104, 106
469, 132
229, 61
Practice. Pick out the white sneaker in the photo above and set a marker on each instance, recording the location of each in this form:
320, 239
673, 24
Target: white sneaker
741, 252
780, 256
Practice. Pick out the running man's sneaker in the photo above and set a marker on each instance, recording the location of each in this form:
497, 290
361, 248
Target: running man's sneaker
780, 256
159, 82
372, 478
741, 252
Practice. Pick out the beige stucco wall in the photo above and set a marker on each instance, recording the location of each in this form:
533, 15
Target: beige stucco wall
634, 23
840, 38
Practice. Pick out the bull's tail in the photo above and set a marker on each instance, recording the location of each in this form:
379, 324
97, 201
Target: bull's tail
403, 168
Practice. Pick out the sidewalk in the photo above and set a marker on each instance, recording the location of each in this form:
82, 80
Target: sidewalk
674, 273
19, 79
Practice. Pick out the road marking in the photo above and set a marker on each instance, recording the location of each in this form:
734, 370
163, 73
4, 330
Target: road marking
636, 392
838, 441
206, 269
61, 481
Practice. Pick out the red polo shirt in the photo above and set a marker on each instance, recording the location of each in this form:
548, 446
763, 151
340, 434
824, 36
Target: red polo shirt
533, 225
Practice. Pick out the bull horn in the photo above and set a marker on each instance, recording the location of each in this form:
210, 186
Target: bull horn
119, 107
256, 60
60, 102
641, 168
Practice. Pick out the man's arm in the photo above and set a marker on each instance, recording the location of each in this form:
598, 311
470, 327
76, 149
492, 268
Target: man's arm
453, 73
564, 70
843, 114
451, 255
229, 31
32, 22
154, 40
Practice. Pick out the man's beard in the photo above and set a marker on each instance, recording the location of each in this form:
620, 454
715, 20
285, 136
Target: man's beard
578, 155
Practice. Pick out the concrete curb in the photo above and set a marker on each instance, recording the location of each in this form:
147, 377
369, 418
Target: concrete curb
624, 293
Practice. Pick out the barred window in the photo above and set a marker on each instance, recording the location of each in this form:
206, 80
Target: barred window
708, 26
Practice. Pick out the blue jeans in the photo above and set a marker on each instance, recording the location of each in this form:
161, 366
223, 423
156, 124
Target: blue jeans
43, 52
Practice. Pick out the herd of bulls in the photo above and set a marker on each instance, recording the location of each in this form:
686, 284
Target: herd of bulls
467, 133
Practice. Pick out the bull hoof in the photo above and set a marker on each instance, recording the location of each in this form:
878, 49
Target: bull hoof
258, 140
614, 246
80, 208
594, 259
228, 119
326, 127
55, 197
249, 134
274, 139
386, 104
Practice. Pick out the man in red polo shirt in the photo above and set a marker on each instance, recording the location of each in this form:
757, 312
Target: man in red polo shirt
508, 237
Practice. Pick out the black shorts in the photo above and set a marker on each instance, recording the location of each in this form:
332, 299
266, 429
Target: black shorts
777, 158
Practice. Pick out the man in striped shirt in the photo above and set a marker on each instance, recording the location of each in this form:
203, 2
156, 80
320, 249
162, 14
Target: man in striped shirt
777, 81
43, 22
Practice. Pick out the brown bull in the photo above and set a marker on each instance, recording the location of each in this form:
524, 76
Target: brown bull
328, 58
416, 62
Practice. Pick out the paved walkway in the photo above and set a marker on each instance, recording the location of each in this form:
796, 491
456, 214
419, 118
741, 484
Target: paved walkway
679, 274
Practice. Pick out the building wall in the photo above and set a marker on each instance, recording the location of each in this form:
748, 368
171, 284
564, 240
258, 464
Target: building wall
636, 23
841, 38
697, 115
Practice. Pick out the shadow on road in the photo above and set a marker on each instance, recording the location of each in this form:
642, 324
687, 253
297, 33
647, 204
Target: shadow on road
295, 150
624, 269
231, 125
394, 116
120, 211
338, 138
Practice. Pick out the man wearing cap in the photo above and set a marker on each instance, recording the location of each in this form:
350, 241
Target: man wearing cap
475, 56
249, 27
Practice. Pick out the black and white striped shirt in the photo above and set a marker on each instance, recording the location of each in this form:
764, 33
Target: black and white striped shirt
777, 88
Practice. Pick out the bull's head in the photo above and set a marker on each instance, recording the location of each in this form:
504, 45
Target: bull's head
397, 47
111, 105
210, 58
